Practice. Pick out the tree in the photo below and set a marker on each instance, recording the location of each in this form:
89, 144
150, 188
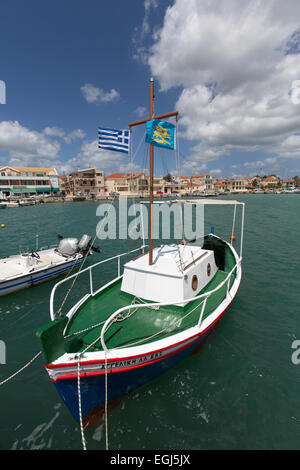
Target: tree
168, 178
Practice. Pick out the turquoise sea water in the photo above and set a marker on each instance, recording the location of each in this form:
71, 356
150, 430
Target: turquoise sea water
241, 391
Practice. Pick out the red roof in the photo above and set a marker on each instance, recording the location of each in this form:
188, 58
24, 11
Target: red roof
117, 175
271, 178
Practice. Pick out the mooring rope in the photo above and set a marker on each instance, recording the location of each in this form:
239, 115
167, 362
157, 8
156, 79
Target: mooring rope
79, 406
22, 368
105, 406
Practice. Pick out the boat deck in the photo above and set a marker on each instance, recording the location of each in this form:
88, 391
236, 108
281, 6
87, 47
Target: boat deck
142, 323
12, 266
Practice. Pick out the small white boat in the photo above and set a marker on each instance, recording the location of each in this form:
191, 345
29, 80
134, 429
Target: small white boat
27, 203
27, 269
11, 204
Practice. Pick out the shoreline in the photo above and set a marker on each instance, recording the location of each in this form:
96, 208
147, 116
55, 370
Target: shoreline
49, 200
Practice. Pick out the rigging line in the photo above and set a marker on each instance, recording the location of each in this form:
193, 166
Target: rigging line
177, 151
163, 162
139, 146
146, 157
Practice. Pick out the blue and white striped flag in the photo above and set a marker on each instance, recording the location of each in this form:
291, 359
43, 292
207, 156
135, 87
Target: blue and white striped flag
112, 139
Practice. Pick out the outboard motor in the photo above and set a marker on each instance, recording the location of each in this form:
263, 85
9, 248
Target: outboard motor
84, 244
68, 246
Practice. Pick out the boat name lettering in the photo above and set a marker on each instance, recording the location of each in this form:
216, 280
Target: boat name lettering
132, 362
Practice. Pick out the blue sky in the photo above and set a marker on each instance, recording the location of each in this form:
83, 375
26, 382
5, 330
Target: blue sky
72, 66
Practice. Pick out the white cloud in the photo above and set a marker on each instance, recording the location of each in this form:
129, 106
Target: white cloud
235, 63
215, 172
141, 111
25, 145
76, 134
270, 162
68, 138
289, 147
93, 94
54, 132
90, 156
141, 32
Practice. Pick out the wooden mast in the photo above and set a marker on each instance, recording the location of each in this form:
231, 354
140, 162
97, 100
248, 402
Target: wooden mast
151, 176
143, 121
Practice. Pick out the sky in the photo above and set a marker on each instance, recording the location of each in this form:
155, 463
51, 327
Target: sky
231, 69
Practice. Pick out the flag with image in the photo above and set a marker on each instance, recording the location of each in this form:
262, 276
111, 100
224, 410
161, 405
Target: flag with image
161, 134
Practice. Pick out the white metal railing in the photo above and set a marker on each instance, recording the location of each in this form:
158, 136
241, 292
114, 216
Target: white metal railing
90, 269
206, 295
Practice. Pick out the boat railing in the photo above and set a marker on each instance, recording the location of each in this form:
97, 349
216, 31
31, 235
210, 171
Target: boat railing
203, 296
89, 269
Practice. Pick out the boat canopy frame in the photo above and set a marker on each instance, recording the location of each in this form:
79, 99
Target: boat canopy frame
207, 201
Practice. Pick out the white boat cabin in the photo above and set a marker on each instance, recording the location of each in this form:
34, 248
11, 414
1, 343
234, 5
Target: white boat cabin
179, 272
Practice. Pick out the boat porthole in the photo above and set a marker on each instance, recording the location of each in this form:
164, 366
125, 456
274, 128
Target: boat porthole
194, 282
208, 269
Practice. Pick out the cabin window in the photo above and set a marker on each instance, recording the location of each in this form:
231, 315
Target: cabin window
194, 282
208, 269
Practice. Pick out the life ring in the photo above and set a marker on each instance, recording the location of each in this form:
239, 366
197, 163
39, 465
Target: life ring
194, 282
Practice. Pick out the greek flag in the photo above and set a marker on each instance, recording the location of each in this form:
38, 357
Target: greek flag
113, 139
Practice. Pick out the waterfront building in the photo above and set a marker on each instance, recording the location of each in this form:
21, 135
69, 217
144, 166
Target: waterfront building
219, 185
288, 184
234, 185
117, 184
270, 181
204, 181
127, 184
138, 184
193, 188
28, 181
88, 182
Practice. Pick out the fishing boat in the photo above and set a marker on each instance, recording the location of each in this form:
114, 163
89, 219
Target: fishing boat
33, 267
156, 311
